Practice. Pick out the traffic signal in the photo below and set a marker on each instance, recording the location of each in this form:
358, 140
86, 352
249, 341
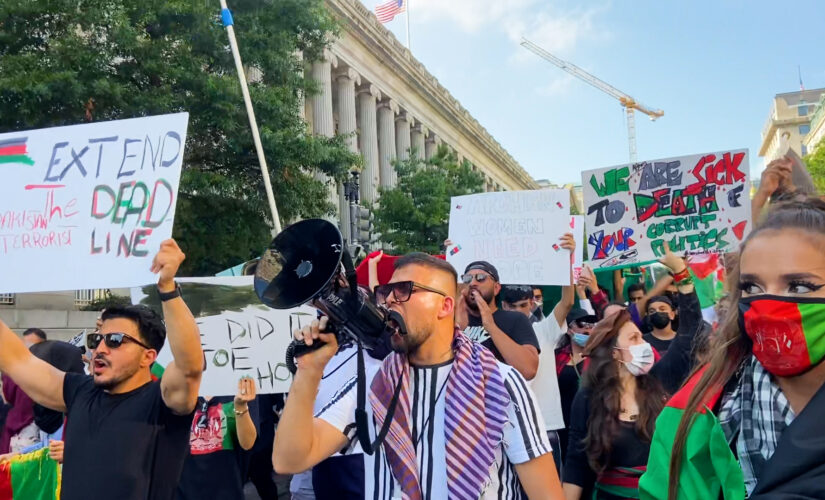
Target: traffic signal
365, 227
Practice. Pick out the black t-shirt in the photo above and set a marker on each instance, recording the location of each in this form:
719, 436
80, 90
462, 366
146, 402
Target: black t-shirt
660, 345
516, 325
127, 446
216, 466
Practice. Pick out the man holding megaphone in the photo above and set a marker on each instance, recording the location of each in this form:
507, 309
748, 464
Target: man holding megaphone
451, 420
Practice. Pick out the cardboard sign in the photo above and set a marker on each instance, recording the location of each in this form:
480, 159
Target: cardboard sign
516, 231
697, 204
87, 206
240, 336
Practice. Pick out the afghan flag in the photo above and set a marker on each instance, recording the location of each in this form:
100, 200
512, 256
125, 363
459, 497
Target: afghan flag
709, 468
15, 151
33, 476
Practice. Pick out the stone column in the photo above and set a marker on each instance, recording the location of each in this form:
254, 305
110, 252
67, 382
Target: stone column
386, 141
402, 136
345, 93
417, 136
322, 122
431, 146
369, 143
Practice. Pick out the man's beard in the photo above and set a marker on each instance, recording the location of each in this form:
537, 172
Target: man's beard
409, 342
487, 297
116, 380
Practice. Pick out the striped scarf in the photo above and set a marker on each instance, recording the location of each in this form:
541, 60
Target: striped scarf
622, 482
476, 411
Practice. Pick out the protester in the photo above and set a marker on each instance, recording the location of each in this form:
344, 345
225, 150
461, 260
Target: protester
260, 457
660, 316
224, 429
126, 436
518, 298
66, 358
509, 335
570, 365
34, 336
612, 418
751, 436
538, 302
636, 292
465, 425
548, 332
20, 430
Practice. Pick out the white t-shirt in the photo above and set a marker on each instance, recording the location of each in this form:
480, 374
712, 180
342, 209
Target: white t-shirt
546, 382
524, 437
340, 370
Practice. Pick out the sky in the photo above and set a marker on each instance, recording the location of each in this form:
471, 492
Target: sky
712, 66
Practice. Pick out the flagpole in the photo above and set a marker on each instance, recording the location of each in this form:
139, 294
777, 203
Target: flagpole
408, 24
226, 17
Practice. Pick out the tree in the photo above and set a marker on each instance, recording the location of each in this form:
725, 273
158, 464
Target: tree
414, 216
816, 166
64, 62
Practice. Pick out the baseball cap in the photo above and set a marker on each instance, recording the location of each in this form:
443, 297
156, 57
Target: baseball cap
579, 314
483, 266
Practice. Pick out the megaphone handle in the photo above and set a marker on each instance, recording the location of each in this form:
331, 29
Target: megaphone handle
298, 348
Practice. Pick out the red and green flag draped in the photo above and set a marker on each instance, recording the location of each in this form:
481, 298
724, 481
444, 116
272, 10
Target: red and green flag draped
707, 278
709, 467
33, 476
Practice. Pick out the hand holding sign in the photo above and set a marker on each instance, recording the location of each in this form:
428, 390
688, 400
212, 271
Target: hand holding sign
166, 264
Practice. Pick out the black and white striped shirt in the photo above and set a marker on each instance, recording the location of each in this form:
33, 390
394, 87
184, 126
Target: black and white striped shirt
524, 436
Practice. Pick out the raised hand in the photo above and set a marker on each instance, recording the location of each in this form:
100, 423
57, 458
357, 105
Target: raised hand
166, 264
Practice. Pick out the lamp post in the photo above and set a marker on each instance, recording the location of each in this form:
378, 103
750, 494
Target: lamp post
352, 194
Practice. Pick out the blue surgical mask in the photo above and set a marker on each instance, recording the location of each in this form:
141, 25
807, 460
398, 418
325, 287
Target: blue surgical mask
580, 339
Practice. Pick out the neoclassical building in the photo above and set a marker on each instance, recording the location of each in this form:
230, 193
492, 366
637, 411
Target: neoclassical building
374, 91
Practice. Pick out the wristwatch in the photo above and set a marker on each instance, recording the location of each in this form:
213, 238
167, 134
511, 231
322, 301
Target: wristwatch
169, 295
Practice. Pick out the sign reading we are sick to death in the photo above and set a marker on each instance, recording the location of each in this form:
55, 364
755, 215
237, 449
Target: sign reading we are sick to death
697, 204
87, 206
240, 336
516, 231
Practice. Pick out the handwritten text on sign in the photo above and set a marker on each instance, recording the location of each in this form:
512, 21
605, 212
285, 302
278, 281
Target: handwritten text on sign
239, 336
87, 206
697, 204
516, 231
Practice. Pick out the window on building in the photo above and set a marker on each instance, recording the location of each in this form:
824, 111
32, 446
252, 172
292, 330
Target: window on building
804, 129
7, 299
802, 109
86, 297
804, 150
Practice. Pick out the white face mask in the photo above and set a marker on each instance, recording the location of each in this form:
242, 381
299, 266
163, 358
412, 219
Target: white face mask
642, 359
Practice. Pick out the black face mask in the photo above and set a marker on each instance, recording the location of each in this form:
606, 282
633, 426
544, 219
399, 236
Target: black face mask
659, 320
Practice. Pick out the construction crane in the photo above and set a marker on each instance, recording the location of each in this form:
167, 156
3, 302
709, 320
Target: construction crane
629, 104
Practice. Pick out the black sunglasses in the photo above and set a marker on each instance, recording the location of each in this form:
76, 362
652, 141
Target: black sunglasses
112, 340
480, 277
401, 290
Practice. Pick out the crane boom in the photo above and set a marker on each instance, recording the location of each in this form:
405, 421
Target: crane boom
628, 103
600, 84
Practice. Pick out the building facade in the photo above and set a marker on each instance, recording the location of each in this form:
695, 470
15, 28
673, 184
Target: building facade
789, 123
374, 91
815, 137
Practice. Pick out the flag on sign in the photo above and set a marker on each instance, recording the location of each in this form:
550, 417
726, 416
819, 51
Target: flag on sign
386, 12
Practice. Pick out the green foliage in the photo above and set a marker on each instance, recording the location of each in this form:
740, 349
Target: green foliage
414, 216
816, 166
108, 300
64, 62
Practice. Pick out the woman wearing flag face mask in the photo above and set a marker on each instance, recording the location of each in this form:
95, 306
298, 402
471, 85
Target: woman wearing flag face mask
756, 426
622, 393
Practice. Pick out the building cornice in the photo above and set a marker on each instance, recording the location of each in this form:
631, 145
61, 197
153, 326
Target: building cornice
361, 23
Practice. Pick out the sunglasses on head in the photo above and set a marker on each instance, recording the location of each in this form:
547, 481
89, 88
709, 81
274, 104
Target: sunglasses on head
401, 290
583, 324
112, 340
480, 277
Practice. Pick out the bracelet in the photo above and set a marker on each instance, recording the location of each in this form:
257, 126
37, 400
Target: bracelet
239, 413
681, 275
685, 281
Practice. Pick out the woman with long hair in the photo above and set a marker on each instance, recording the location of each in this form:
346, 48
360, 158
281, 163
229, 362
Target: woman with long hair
754, 428
622, 393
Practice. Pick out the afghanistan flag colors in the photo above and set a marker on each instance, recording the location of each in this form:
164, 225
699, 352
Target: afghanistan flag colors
33, 476
15, 151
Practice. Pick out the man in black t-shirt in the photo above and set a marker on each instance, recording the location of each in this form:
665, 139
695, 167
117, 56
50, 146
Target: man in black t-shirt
126, 437
508, 334
660, 316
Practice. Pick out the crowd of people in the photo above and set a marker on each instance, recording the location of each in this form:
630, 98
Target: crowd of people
480, 390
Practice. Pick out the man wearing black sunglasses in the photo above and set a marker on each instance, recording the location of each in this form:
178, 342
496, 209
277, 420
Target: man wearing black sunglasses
126, 436
465, 425
508, 334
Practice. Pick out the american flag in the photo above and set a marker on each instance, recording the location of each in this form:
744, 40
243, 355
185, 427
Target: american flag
386, 12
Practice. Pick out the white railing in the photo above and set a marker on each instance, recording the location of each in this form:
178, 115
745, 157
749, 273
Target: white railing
7, 299
86, 297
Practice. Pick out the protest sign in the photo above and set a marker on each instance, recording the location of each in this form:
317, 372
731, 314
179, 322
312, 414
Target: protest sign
577, 228
697, 204
87, 206
240, 336
516, 231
